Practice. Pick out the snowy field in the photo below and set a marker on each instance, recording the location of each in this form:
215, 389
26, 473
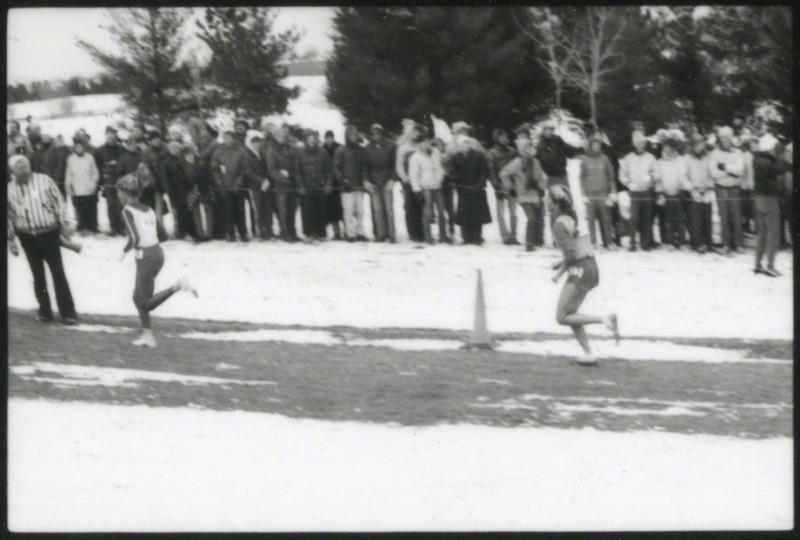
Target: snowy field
142, 469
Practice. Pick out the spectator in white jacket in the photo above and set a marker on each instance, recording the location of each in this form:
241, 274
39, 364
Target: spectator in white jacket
426, 176
727, 168
81, 180
672, 178
637, 173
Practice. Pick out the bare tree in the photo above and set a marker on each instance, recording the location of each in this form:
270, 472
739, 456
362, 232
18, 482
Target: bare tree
594, 46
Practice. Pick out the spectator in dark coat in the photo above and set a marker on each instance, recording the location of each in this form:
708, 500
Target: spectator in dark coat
107, 157
203, 197
56, 162
350, 168
471, 173
767, 188
228, 166
255, 176
283, 178
552, 154
333, 200
381, 155
40, 149
152, 156
314, 173
177, 187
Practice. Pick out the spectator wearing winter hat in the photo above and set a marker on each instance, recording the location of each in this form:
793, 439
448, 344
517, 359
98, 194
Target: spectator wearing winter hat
727, 168
598, 190
552, 153
500, 155
82, 177
283, 179
107, 157
406, 146
471, 173
17, 142
524, 175
672, 176
701, 187
381, 155
767, 189
228, 166
314, 173
637, 173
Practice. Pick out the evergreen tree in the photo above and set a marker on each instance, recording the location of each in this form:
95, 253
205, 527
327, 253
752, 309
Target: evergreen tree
247, 63
470, 64
153, 80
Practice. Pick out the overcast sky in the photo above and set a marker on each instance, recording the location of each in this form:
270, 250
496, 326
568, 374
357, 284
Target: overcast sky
41, 42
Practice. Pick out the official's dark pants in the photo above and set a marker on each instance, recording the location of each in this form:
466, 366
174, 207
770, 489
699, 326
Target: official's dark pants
86, 212
114, 211
264, 204
642, 218
40, 249
448, 194
767, 225
673, 221
413, 208
286, 202
313, 209
534, 228
234, 202
219, 222
701, 225
597, 211
730, 216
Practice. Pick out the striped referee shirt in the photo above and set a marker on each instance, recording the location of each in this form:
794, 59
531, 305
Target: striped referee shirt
35, 207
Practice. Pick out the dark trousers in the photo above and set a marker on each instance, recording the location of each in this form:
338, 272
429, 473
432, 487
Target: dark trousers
701, 224
234, 202
413, 208
286, 203
730, 216
114, 211
144, 296
748, 211
314, 220
264, 204
41, 249
218, 225
448, 194
686, 210
642, 218
534, 228
672, 233
658, 217
767, 225
184, 221
597, 211
86, 212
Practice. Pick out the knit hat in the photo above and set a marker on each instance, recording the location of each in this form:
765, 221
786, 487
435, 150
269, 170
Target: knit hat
767, 143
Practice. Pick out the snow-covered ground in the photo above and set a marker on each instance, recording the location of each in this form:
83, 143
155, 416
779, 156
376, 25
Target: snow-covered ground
82, 467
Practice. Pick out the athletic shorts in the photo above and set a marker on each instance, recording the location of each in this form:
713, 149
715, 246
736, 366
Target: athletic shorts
584, 274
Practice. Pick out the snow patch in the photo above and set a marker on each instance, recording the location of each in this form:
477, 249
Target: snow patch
98, 328
624, 411
290, 336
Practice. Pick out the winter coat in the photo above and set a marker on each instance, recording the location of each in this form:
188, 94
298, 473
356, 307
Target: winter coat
37, 160
350, 165
177, 180
425, 170
381, 162
470, 174
733, 161
107, 157
552, 154
637, 171
672, 175
127, 164
227, 166
281, 166
314, 168
254, 170
154, 158
56, 163
767, 174
525, 175
82, 175
597, 176
498, 157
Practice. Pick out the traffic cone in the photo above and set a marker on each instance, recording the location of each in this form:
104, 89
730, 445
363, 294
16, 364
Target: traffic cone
480, 332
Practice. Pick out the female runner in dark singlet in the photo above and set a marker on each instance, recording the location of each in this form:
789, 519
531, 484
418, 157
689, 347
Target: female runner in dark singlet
144, 235
581, 267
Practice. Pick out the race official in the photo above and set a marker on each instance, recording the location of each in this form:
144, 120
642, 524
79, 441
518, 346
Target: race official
37, 216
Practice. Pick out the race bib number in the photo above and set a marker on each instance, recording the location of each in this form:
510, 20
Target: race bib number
576, 271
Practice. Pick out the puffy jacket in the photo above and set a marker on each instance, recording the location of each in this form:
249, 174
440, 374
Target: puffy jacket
524, 174
314, 168
350, 164
82, 175
425, 170
766, 174
227, 166
637, 171
597, 176
734, 167
672, 175
381, 162
498, 157
280, 165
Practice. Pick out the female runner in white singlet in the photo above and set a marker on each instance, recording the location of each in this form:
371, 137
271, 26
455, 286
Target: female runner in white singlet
144, 234
581, 267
